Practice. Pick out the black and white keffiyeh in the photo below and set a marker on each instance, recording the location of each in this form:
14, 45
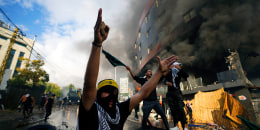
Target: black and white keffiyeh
104, 118
174, 75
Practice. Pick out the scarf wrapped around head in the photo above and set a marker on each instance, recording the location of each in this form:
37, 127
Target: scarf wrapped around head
107, 114
111, 87
104, 118
174, 75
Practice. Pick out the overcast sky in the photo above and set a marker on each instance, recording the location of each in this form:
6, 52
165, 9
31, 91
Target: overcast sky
64, 30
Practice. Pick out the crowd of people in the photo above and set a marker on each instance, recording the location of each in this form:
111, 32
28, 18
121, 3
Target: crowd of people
99, 107
27, 103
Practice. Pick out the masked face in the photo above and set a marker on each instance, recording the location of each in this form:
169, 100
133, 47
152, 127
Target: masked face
107, 98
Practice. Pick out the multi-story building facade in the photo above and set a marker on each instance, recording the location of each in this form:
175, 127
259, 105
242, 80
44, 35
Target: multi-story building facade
22, 48
157, 34
201, 34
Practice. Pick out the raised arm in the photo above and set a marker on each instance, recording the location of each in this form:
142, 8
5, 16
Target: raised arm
130, 71
149, 86
91, 74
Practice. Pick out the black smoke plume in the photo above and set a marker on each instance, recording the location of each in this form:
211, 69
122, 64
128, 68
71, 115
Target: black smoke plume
232, 24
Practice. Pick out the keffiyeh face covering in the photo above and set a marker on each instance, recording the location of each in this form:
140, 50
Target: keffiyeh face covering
104, 118
174, 75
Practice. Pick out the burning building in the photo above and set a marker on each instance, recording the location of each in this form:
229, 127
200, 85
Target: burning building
202, 33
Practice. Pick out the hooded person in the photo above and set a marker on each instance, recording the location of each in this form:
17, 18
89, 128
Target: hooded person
106, 112
175, 69
108, 86
99, 108
107, 95
174, 94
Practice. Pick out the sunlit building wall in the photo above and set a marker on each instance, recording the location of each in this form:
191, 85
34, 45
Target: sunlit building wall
21, 48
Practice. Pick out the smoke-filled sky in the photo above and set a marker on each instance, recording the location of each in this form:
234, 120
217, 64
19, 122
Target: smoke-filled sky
64, 30
227, 25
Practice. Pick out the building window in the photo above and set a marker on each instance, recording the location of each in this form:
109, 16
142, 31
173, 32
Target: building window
186, 18
11, 56
140, 47
135, 45
140, 61
148, 50
189, 15
135, 57
193, 14
146, 19
157, 3
148, 32
4, 38
19, 63
21, 44
139, 34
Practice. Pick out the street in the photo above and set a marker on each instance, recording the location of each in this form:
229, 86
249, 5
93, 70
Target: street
60, 119
66, 119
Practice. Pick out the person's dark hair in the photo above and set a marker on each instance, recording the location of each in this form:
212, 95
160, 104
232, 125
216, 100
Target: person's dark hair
146, 70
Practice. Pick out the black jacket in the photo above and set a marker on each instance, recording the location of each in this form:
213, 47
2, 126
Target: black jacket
181, 74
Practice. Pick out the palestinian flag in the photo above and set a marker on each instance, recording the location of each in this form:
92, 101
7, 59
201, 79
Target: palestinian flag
114, 61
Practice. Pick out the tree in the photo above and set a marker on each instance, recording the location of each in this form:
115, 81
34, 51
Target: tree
53, 88
33, 72
30, 79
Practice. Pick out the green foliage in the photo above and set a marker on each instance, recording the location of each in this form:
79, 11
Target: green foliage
17, 83
33, 72
54, 89
30, 80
